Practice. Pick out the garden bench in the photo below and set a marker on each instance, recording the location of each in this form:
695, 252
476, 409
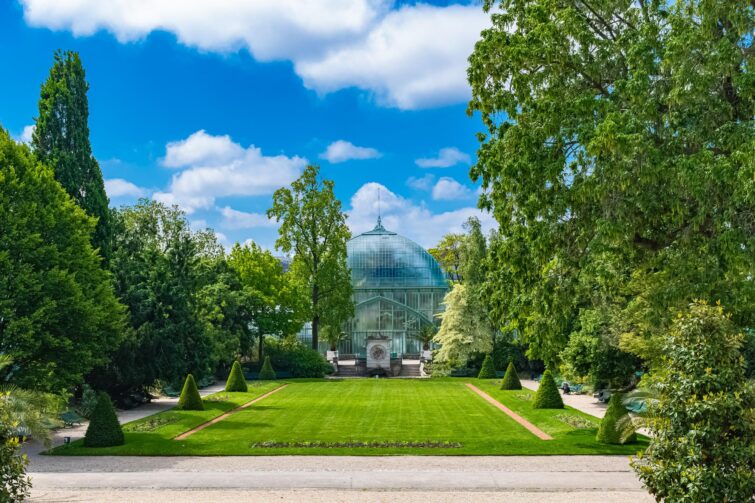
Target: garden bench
71, 419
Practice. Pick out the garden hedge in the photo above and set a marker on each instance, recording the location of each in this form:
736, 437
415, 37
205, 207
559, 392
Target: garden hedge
104, 430
547, 396
511, 378
487, 370
190, 399
610, 431
266, 372
236, 381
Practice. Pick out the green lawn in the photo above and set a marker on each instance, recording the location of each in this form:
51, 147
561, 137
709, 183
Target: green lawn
390, 412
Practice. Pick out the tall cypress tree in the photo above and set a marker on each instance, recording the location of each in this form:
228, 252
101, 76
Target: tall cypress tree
61, 140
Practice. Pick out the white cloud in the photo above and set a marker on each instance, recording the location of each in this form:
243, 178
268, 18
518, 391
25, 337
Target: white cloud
412, 57
211, 172
448, 189
401, 215
421, 183
447, 157
201, 148
26, 133
342, 150
118, 187
235, 219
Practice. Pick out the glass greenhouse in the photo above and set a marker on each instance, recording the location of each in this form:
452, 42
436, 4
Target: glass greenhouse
398, 288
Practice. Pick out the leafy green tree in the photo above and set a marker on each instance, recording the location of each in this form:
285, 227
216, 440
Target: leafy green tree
511, 378
59, 316
274, 301
462, 332
617, 159
702, 425
448, 253
487, 370
266, 372
61, 141
547, 396
236, 380
104, 430
190, 398
313, 226
611, 430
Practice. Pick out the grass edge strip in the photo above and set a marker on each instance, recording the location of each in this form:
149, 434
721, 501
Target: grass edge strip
513, 415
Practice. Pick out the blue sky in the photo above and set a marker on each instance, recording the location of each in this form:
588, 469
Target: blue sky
213, 105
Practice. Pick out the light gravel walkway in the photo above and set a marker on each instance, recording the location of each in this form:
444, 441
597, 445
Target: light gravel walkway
586, 403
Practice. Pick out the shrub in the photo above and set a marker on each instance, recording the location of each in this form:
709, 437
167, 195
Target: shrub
292, 356
104, 430
511, 378
88, 402
487, 371
702, 440
190, 399
236, 381
547, 396
616, 426
266, 372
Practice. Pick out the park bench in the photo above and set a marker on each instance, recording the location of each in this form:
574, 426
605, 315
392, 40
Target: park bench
71, 419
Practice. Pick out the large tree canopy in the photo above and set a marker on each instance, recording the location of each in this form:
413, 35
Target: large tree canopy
618, 160
314, 228
61, 140
59, 316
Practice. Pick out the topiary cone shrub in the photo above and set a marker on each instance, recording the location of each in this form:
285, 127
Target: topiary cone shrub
511, 378
266, 372
487, 370
547, 396
104, 430
236, 381
615, 427
190, 399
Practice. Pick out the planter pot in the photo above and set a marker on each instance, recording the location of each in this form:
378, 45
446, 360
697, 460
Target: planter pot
332, 355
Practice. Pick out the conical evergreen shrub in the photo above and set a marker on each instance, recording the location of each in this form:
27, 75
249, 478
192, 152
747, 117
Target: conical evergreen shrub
266, 372
190, 399
616, 428
236, 381
511, 378
547, 396
487, 371
104, 430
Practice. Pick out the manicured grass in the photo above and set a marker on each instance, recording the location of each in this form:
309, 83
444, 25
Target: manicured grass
364, 410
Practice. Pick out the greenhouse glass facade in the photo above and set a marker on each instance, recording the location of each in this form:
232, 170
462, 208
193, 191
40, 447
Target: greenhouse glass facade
398, 288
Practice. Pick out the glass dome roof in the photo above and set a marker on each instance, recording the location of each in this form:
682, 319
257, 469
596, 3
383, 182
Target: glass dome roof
383, 259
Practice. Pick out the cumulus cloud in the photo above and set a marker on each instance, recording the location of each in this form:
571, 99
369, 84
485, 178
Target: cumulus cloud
447, 157
235, 219
421, 183
412, 57
118, 187
342, 150
26, 133
448, 189
215, 167
401, 215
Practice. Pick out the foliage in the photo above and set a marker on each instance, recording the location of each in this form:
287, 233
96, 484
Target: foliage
462, 332
88, 401
61, 141
15, 485
58, 314
702, 425
266, 372
617, 159
275, 301
610, 431
190, 398
511, 378
448, 254
293, 356
236, 380
313, 226
547, 396
333, 336
487, 370
104, 430
426, 335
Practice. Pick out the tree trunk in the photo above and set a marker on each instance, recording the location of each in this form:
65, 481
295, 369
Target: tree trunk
316, 317
262, 339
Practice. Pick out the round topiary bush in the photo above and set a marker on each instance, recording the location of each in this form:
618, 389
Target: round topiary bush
616, 428
104, 430
511, 378
266, 372
547, 396
236, 381
190, 399
487, 370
